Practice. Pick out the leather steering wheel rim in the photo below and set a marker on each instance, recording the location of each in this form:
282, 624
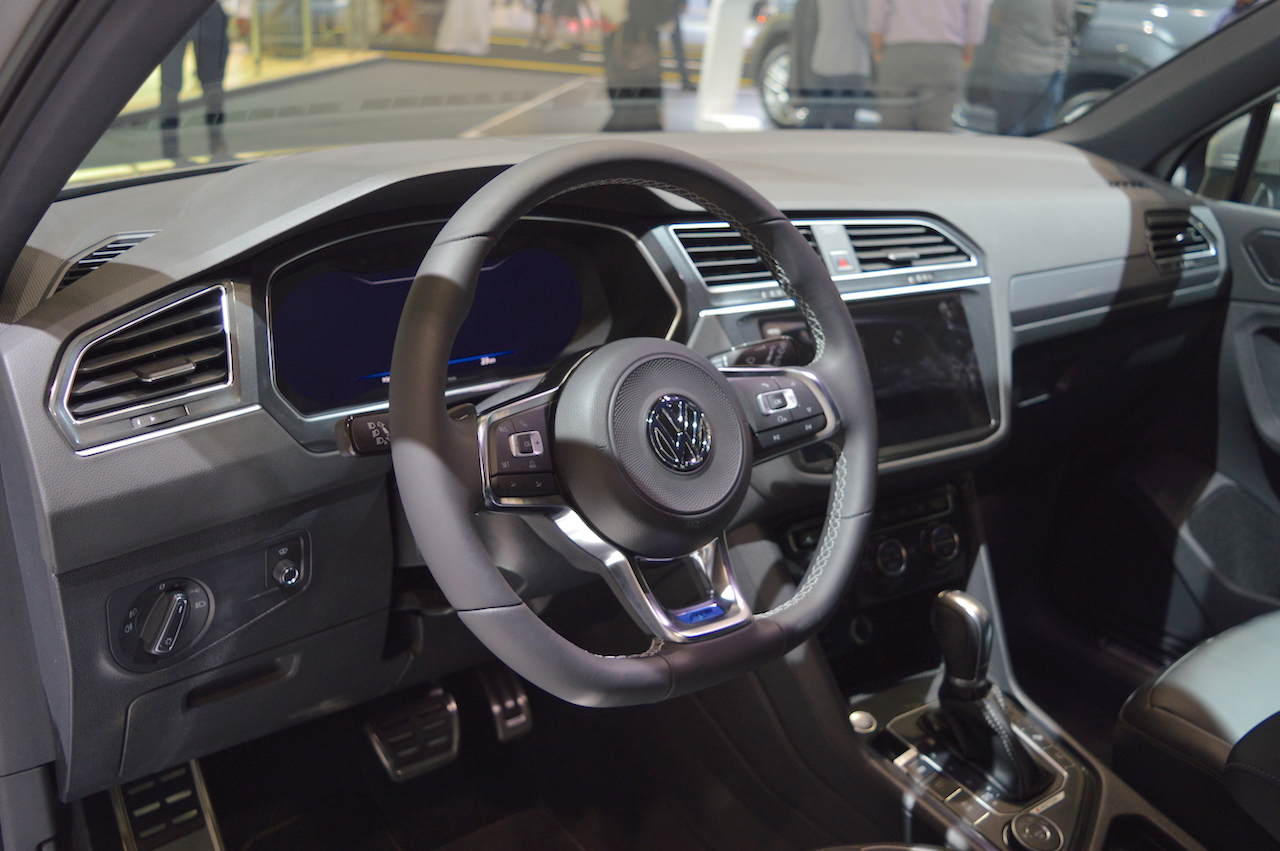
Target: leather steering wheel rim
436, 456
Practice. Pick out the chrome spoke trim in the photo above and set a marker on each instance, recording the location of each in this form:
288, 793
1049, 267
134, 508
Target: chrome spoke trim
722, 610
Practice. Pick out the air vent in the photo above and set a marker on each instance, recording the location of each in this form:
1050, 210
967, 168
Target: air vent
100, 256
165, 355
1178, 242
723, 257
907, 245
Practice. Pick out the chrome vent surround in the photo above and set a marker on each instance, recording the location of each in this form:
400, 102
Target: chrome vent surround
100, 256
893, 245
1178, 241
724, 259
882, 246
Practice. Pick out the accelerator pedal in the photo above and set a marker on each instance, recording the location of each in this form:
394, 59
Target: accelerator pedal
508, 701
416, 737
167, 811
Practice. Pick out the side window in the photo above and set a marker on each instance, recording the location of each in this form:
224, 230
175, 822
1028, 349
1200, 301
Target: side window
1240, 161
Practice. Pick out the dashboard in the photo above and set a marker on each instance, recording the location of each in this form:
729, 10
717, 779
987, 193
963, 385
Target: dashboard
182, 398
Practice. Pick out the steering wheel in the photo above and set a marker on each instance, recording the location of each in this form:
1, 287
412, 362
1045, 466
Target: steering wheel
640, 451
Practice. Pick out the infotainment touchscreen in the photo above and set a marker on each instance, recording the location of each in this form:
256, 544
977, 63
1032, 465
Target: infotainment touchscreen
920, 352
334, 328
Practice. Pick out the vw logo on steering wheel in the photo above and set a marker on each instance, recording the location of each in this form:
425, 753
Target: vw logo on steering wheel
679, 433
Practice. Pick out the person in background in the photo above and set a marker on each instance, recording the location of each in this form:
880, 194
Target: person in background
633, 73
831, 61
1029, 64
677, 43
209, 38
921, 49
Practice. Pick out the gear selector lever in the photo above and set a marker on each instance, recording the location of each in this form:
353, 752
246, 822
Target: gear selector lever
972, 720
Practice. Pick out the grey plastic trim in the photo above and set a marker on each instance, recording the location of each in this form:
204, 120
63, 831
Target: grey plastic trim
56, 282
164, 432
854, 276
859, 295
200, 404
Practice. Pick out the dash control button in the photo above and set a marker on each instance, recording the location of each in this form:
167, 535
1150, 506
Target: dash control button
529, 484
285, 564
1035, 833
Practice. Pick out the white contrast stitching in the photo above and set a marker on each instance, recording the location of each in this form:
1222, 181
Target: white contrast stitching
655, 647
828, 543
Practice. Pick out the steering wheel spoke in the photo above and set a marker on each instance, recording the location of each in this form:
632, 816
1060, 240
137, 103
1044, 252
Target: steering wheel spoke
707, 601
517, 462
788, 408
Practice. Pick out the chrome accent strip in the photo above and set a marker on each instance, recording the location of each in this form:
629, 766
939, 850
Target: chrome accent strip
59, 405
858, 295
842, 221
165, 432
711, 561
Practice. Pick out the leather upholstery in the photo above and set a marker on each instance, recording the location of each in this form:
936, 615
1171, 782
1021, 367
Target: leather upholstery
1253, 773
1176, 733
1209, 699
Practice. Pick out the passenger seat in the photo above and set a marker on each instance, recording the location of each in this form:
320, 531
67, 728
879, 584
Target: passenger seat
1201, 741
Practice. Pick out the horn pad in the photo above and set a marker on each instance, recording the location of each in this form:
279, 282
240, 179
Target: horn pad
652, 445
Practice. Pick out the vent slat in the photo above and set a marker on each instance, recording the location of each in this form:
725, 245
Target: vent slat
723, 258
138, 397
164, 321
99, 257
883, 247
171, 352
1175, 238
141, 352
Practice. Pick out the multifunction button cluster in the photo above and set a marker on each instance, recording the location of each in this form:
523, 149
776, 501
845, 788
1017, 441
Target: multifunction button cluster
520, 463
782, 409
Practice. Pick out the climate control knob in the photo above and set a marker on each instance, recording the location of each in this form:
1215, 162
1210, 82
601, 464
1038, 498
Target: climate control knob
891, 557
942, 541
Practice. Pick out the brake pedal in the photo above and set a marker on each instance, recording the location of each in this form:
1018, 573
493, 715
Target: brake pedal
168, 810
508, 701
416, 737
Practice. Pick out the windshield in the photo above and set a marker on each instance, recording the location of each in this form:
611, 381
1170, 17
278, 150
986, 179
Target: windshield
259, 78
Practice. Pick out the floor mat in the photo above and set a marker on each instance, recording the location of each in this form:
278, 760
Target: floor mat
531, 830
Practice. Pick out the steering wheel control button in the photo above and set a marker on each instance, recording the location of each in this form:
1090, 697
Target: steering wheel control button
165, 620
807, 404
757, 394
1034, 833
520, 444
526, 444
776, 401
891, 557
775, 437
525, 485
679, 433
286, 564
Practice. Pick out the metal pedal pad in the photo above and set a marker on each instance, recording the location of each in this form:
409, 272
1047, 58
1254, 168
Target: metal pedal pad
508, 701
165, 809
416, 737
